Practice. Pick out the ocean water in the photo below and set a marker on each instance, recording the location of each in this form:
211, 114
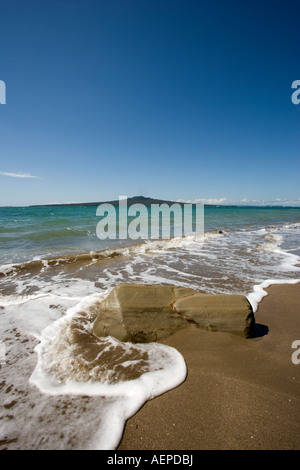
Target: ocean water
54, 270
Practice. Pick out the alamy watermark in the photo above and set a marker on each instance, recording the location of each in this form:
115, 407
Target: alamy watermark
155, 221
296, 354
2, 92
2, 353
296, 95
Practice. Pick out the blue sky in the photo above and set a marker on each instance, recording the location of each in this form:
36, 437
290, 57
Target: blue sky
186, 100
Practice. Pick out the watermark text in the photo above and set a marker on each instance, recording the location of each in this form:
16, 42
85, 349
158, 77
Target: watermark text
2, 353
296, 95
155, 221
2, 92
296, 354
155, 459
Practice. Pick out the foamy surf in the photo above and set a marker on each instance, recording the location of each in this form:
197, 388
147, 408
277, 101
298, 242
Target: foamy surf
63, 389
259, 290
72, 361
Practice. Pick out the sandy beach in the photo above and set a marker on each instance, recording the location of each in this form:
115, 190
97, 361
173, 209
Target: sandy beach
239, 394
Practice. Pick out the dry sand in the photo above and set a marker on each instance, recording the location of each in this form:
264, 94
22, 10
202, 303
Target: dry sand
239, 394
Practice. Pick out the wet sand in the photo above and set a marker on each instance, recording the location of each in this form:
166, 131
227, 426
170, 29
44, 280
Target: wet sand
239, 394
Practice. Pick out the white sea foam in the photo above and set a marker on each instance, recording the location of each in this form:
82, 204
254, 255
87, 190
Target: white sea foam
6, 268
163, 369
33, 313
259, 292
45, 318
272, 242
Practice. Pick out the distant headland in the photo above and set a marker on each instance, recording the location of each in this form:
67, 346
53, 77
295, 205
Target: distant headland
146, 201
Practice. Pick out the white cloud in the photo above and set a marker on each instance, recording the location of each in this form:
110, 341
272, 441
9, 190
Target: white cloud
245, 201
275, 202
17, 175
205, 201
250, 201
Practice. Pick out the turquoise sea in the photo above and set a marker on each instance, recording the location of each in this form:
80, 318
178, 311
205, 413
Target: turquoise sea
54, 270
28, 233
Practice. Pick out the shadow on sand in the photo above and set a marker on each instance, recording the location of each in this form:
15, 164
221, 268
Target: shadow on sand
260, 330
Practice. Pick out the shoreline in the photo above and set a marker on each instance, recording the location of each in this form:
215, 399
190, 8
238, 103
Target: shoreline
238, 395
102, 254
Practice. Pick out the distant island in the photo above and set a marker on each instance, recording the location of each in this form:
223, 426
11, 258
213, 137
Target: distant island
146, 201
